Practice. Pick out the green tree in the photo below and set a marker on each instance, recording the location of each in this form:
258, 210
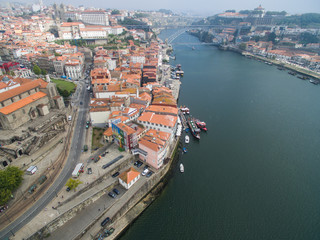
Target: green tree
4, 196
306, 38
54, 31
44, 72
272, 37
69, 20
115, 12
73, 183
36, 69
10, 179
243, 46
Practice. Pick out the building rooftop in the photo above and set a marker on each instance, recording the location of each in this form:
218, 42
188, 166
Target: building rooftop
128, 175
21, 103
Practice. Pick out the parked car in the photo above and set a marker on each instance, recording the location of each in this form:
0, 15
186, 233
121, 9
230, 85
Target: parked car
32, 188
81, 103
89, 170
115, 174
105, 166
145, 172
85, 148
104, 222
68, 189
97, 159
149, 174
146, 167
138, 163
111, 194
116, 191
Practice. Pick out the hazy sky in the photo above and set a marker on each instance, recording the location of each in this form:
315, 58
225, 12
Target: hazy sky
209, 7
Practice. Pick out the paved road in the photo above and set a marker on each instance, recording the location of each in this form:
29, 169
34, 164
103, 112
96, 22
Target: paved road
74, 156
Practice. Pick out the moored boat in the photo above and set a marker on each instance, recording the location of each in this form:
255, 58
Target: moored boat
184, 150
201, 125
193, 127
179, 73
184, 110
314, 81
181, 168
187, 139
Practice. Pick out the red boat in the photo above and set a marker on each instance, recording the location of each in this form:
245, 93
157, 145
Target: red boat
201, 125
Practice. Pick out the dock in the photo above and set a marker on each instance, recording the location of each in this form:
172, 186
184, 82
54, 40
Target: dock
183, 120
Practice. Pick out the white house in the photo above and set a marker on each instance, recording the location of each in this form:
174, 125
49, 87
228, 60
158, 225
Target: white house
129, 177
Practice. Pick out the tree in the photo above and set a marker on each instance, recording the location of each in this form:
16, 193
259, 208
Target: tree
54, 31
272, 37
73, 183
10, 179
36, 69
4, 196
69, 20
242, 46
115, 12
306, 38
44, 72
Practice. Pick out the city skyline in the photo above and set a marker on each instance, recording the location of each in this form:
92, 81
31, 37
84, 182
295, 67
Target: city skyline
202, 7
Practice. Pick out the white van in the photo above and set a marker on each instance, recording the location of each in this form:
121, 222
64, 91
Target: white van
69, 118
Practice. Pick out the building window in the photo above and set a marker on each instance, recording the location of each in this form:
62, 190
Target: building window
23, 111
13, 116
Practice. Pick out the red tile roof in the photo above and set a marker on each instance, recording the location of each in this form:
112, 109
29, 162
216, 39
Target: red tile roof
18, 90
21, 103
129, 175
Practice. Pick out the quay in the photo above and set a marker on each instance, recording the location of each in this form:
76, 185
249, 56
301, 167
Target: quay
287, 66
183, 120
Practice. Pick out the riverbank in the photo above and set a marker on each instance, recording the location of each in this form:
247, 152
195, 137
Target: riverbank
128, 219
285, 65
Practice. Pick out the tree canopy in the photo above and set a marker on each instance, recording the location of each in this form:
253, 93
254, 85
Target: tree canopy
306, 38
73, 183
10, 179
303, 20
36, 69
115, 12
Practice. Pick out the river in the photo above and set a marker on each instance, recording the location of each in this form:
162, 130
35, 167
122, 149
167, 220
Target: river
256, 173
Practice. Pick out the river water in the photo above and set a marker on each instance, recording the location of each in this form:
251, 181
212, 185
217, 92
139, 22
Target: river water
256, 173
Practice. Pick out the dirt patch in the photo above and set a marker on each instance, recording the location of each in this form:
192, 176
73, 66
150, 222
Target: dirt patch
97, 134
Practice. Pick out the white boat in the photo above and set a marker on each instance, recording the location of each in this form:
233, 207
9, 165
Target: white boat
187, 139
181, 168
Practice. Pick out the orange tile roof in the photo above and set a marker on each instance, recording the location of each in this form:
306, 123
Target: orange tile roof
22, 80
145, 96
126, 128
128, 175
21, 103
137, 106
18, 90
162, 109
108, 132
155, 140
167, 120
43, 84
99, 109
